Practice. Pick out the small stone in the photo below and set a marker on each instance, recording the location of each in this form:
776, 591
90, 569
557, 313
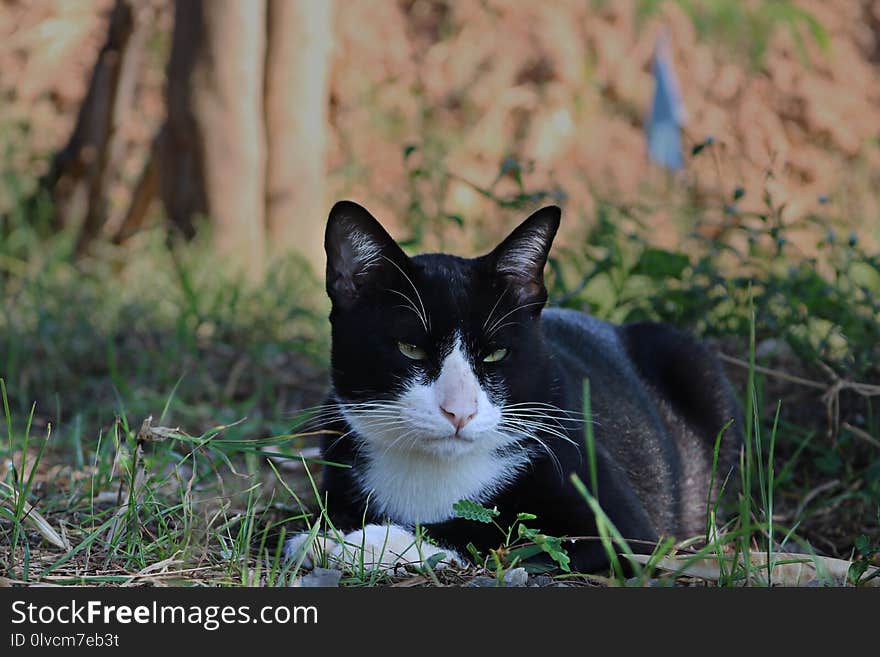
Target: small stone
541, 580
320, 578
516, 577
482, 581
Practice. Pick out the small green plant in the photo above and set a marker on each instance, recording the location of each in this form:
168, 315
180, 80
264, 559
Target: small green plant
519, 542
470, 510
867, 551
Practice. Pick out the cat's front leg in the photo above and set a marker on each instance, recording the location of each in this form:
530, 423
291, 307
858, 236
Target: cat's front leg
387, 547
375, 547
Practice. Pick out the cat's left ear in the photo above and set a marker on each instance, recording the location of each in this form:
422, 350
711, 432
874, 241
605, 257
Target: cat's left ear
521, 257
359, 253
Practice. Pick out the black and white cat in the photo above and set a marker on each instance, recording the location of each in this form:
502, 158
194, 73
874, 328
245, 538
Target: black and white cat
451, 381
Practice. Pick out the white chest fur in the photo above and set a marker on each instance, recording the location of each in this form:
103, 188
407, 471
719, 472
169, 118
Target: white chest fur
416, 487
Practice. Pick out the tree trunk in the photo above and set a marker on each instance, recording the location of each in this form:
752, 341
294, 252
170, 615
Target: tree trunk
214, 154
181, 178
244, 140
297, 65
82, 171
145, 191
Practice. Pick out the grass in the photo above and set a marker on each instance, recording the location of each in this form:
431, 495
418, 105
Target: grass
150, 402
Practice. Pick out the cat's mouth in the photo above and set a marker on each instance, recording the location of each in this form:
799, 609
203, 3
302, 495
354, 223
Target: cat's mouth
452, 437
429, 440
451, 445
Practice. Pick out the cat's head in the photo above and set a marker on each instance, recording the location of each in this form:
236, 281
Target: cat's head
429, 353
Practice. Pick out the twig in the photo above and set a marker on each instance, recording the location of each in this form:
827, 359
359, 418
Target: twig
862, 389
831, 391
813, 494
775, 373
860, 433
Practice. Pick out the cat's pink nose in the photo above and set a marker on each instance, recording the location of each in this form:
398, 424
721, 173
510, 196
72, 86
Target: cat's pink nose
458, 414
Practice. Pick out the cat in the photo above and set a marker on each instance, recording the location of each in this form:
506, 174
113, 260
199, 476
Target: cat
451, 380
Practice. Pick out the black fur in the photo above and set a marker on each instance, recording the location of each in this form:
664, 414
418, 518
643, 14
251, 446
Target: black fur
658, 396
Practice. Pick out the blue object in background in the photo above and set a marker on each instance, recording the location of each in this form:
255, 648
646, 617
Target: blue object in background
667, 113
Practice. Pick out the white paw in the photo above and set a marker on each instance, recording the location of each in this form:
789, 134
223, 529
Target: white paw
375, 547
311, 550
386, 547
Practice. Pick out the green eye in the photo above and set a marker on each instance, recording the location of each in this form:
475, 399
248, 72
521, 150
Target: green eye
495, 356
411, 351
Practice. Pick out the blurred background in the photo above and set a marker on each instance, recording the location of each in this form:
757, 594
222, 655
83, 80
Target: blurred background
166, 169
259, 115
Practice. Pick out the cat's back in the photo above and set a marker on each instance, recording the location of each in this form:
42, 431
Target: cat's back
587, 347
641, 368
574, 325
659, 398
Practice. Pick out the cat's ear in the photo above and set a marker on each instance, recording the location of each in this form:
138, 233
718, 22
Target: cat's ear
358, 251
521, 257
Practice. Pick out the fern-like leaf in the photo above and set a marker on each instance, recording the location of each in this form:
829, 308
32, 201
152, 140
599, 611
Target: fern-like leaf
473, 511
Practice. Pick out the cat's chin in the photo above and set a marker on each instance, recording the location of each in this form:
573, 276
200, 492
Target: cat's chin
451, 445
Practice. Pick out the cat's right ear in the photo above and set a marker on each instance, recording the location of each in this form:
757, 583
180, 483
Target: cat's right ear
358, 251
519, 260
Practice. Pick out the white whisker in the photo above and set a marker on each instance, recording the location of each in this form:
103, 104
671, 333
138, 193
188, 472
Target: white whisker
424, 314
522, 433
411, 306
497, 322
492, 312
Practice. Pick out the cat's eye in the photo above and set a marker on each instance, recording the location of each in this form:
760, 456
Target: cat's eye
411, 351
496, 356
